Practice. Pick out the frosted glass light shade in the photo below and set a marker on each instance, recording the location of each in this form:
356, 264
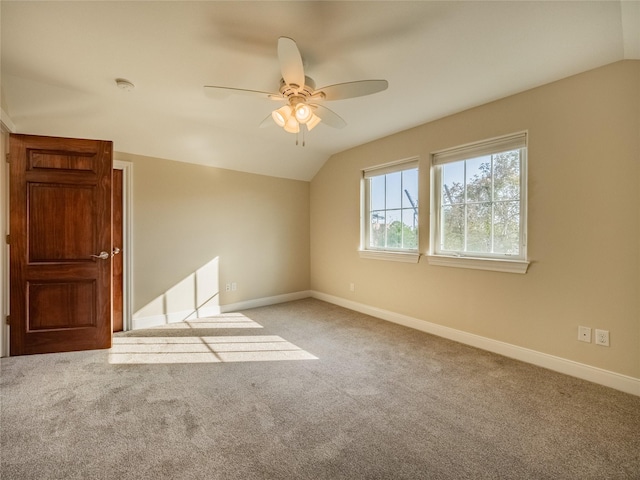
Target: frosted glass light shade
281, 115
292, 125
303, 113
313, 121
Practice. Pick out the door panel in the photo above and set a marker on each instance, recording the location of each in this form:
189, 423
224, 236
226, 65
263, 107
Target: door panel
60, 203
60, 222
46, 311
56, 160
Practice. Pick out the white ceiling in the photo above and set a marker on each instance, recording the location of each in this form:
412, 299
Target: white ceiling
60, 61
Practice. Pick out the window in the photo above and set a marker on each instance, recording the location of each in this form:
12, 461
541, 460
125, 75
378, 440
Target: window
390, 220
479, 198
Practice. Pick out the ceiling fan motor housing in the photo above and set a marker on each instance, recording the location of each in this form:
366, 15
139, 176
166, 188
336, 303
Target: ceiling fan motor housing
295, 90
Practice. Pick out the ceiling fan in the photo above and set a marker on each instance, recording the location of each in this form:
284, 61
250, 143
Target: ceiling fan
301, 110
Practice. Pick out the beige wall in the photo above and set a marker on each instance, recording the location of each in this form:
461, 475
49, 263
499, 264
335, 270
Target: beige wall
191, 223
584, 224
3, 101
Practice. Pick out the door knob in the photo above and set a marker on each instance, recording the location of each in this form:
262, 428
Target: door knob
102, 256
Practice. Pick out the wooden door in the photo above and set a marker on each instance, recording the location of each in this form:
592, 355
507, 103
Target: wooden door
60, 222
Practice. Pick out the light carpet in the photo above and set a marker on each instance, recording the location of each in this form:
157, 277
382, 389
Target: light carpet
306, 390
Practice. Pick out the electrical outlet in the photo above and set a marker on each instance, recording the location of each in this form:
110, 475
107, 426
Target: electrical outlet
602, 337
227, 287
234, 286
352, 287
584, 334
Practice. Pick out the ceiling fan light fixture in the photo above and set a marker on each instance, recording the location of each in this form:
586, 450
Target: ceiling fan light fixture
282, 115
303, 113
292, 125
313, 121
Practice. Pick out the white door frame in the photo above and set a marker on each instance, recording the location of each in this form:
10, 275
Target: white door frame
6, 127
127, 241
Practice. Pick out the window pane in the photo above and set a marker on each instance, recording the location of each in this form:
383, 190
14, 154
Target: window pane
479, 179
506, 228
377, 229
409, 229
393, 220
376, 192
410, 188
453, 228
453, 183
506, 175
394, 229
394, 190
479, 227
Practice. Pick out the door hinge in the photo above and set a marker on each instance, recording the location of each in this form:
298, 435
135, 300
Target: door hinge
7, 320
7, 157
8, 239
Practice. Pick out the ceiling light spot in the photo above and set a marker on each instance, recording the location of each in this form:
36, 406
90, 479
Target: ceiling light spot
124, 84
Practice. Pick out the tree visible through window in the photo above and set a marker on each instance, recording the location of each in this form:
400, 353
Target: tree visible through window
392, 208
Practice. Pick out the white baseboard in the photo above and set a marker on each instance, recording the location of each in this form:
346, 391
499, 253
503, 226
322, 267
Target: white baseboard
265, 301
600, 376
173, 317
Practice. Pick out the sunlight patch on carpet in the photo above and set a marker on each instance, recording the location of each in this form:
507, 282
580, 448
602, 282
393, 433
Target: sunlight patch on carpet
160, 350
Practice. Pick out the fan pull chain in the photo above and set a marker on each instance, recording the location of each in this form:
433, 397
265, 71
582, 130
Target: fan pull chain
304, 143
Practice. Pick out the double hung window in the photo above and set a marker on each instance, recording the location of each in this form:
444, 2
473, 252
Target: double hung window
479, 199
390, 217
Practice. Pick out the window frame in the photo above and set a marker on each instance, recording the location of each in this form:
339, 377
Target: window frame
392, 254
490, 261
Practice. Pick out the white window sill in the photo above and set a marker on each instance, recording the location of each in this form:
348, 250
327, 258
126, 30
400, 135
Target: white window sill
493, 264
407, 257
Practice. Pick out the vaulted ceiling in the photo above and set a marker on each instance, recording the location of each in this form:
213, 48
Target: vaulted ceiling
60, 61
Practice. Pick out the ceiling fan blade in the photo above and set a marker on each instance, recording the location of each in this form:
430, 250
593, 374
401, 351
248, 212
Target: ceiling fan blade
267, 122
212, 90
329, 117
290, 62
341, 91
